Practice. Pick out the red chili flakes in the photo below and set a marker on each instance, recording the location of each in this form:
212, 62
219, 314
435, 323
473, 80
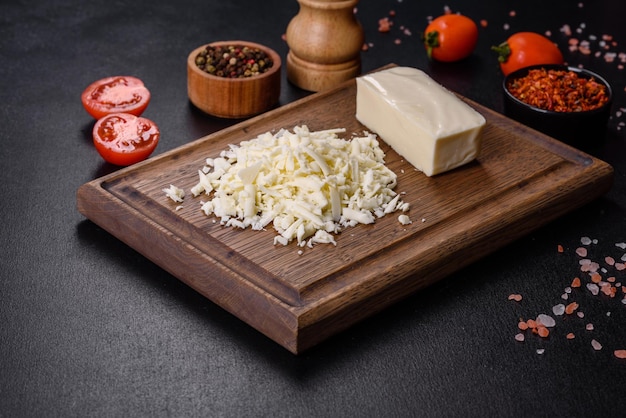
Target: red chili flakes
559, 248
559, 91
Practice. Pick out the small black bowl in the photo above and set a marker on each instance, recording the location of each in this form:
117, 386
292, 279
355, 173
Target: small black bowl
585, 130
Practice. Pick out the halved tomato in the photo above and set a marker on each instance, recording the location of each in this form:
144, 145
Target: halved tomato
121, 94
124, 139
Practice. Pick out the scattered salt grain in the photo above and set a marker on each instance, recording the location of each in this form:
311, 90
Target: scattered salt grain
571, 308
621, 245
596, 345
580, 314
519, 337
620, 353
585, 240
589, 327
581, 251
570, 336
546, 320
566, 29
516, 297
558, 309
593, 288
540, 350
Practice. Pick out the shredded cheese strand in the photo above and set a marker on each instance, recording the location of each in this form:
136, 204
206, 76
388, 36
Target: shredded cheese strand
309, 185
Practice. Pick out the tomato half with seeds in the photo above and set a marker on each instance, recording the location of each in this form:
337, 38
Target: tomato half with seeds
450, 38
124, 139
120, 94
524, 49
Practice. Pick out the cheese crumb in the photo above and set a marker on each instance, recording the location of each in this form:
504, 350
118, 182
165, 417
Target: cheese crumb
307, 185
175, 193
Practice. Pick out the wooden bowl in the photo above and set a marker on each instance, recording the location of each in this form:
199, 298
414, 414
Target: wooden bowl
233, 97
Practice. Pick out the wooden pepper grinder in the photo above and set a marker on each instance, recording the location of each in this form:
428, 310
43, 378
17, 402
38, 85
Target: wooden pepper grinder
325, 41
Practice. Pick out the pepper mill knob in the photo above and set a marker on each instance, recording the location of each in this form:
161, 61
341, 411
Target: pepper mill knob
325, 41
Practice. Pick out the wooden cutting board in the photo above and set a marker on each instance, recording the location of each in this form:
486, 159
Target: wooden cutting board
522, 180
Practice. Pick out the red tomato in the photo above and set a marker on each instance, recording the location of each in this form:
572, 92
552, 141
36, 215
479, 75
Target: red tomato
450, 37
124, 139
527, 48
116, 95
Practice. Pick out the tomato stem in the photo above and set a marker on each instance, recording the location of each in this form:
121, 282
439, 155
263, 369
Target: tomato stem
503, 50
431, 40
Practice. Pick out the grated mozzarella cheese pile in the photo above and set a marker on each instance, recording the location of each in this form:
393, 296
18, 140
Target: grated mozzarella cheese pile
309, 185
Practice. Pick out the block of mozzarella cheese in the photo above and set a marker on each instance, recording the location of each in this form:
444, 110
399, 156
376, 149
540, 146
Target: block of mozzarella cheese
421, 120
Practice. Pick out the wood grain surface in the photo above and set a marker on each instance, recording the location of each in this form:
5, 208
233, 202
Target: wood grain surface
521, 180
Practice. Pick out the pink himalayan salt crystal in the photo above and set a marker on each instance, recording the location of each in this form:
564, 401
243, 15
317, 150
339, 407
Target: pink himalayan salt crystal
609, 260
519, 337
541, 350
596, 345
546, 320
558, 309
587, 265
593, 288
581, 251
589, 327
